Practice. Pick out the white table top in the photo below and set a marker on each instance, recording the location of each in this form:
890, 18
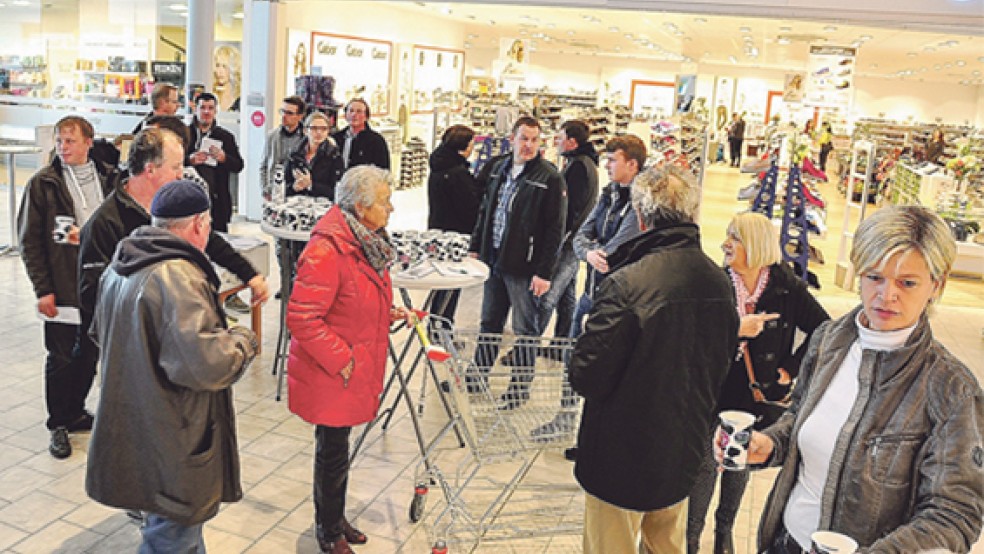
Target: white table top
287, 234
442, 275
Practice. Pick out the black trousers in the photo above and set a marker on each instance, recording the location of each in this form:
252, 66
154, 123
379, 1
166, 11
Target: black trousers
331, 469
68, 375
735, 151
733, 485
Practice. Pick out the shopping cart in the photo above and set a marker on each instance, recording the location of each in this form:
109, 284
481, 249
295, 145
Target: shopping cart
508, 409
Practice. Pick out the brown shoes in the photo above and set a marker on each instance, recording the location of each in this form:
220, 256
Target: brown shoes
337, 546
353, 535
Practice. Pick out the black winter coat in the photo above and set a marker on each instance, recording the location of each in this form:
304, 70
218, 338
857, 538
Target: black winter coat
650, 363
452, 193
325, 168
368, 148
217, 176
581, 176
772, 349
535, 224
52, 267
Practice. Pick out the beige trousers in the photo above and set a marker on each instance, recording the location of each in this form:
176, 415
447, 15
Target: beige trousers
609, 529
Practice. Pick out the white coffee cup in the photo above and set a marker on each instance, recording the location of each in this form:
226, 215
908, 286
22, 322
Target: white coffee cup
829, 542
736, 432
63, 225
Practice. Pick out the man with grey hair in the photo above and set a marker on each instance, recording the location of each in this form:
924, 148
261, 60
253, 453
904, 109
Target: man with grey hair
165, 439
163, 101
654, 353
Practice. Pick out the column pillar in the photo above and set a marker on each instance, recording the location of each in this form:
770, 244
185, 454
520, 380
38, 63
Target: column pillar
200, 44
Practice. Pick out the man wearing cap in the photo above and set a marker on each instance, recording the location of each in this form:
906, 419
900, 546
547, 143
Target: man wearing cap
165, 439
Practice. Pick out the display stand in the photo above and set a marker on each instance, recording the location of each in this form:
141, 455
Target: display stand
861, 170
490, 148
794, 233
765, 200
445, 276
291, 245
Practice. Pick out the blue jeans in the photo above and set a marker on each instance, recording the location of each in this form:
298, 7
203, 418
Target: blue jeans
163, 536
584, 305
504, 291
561, 295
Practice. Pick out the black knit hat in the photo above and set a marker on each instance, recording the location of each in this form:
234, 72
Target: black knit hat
180, 198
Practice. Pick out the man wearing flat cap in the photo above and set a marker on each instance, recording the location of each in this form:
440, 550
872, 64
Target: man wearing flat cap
164, 441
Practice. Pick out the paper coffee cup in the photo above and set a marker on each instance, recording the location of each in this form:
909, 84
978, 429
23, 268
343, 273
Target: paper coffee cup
736, 432
63, 224
829, 542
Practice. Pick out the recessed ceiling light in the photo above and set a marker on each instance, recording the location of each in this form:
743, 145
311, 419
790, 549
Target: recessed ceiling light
830, 28
937, 67
628, 36
785, 28
745, 29
948, 65
523, 32
976, 73
865, 38
783, 40
472, 36
178, 8
468, 44
911, 54
700, 20
929, 49
922, 70
613, 29
961, 63
618, 48
238, 15
570, 33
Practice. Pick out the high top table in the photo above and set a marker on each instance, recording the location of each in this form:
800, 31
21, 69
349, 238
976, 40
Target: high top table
11, 150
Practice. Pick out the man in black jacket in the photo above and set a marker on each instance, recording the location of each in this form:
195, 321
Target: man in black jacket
58, 200
359, 143
654, 353
581, 176
214, 161
519, 231
155, 159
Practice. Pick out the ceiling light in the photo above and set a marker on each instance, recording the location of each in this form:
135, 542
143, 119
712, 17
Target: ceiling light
745, 29
980, 59
961, 63
830, 28
178, 8
783, 40
948, 65
785, 29
929, 49
922, 70
468, 44
700, 20
628, 36
618, 48
551, 26
976, 73
472, 36
865, 38
523, 32
21, 3
613, 29
238, 15
911, 54
937, 67
446, 10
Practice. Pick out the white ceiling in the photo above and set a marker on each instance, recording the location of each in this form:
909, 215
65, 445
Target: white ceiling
891, 52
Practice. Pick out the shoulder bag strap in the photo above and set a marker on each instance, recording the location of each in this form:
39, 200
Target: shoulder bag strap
752, 383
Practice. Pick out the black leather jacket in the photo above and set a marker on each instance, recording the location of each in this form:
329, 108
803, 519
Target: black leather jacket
535, 226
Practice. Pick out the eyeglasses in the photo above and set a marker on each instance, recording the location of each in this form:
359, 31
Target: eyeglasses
321, 128
286, 112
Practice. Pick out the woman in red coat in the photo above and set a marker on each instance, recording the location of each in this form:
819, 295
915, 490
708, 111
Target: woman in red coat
339, 316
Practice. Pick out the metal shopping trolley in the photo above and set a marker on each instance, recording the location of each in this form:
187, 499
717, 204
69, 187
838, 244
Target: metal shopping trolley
508, 409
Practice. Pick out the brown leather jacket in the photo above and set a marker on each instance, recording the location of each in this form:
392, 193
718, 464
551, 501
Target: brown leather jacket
906, 473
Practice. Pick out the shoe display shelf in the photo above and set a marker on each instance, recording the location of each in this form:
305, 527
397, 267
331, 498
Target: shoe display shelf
413, 164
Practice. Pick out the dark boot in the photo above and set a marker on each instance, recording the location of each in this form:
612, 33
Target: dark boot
353, 535
337, 546
723, 543
693, 545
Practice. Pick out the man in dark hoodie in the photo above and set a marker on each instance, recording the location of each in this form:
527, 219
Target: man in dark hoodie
650, 363
165, 438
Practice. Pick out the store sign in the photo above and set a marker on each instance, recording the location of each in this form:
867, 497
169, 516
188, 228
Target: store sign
258, 118
830, 76
361, 67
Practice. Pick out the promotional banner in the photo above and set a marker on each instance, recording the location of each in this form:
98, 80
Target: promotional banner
794, 88
686, 87
437, 78
297, 57
830, 76
360, 67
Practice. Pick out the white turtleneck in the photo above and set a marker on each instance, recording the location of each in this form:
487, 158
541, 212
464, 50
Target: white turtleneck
821, 428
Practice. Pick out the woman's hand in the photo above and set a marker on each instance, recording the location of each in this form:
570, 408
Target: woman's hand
760, 447
784, 378
406, 314
302, 180
346, 372
752, 324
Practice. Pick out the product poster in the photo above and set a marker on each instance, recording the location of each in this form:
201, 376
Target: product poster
297, 58
360, 67
437, 78
794, 88
653, 98
830, 77
227, 71
686, 89
724, 97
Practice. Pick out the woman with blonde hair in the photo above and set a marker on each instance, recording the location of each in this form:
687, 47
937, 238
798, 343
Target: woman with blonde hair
882, 440
226, 77
772, 303
315, 166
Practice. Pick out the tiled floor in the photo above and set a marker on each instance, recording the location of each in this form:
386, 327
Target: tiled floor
43, 506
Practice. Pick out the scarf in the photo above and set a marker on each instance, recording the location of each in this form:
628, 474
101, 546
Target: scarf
376, 246
746, 301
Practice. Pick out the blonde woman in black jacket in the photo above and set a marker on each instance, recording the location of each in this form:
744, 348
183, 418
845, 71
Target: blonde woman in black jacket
772, 303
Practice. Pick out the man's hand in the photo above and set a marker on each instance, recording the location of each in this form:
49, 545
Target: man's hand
259, 289
598, 260
302, 180
406, 314
752, 324
46, 305
217, 153
198, 158
539, 286
74, 235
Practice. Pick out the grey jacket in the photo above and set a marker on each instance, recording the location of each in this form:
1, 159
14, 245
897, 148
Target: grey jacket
164, 439
276, 151
906, 473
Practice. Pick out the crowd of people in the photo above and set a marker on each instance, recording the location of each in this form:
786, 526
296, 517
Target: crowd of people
877, 428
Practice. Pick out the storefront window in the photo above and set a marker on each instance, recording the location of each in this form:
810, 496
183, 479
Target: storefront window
109, 50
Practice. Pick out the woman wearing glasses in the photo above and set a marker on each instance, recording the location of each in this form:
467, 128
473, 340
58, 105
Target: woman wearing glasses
313, 168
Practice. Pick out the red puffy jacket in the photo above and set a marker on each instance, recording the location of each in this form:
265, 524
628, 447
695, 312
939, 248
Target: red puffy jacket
338, 311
